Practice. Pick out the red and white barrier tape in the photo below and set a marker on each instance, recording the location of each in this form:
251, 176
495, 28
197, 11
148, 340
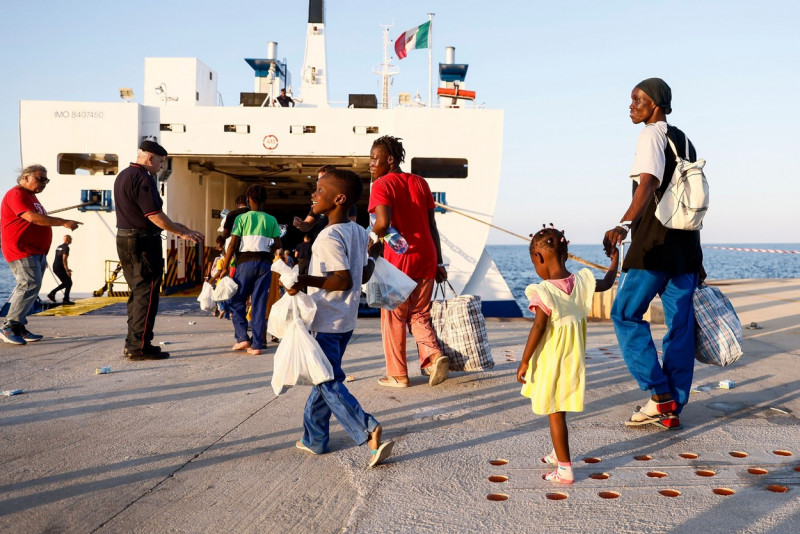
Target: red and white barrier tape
774, 251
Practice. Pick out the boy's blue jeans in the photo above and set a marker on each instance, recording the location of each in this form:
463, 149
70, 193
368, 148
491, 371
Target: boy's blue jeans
636, 290
333, 397
253, 279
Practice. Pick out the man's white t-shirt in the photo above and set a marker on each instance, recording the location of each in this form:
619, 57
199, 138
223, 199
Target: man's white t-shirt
338, 247
649, 156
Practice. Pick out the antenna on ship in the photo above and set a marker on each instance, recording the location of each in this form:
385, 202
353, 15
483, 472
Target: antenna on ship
387, 68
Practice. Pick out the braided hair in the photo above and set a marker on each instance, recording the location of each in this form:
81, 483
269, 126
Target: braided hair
392, 146
551, 238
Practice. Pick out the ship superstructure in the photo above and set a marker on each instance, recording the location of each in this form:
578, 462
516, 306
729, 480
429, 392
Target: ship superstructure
216, 151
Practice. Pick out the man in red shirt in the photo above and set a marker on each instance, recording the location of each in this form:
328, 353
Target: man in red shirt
26, 237
405, 202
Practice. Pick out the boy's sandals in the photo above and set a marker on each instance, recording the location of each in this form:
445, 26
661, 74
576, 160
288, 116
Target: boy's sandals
253, 352
302, 447
380, 454
439, 370
655, 412
241, 345
392, 382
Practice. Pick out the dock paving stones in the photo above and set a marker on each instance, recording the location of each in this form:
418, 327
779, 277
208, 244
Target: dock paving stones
199, 442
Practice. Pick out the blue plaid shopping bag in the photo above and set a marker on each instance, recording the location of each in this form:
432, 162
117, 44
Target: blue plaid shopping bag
461, 331
718, 329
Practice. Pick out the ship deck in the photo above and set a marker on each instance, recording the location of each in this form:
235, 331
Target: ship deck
199, 442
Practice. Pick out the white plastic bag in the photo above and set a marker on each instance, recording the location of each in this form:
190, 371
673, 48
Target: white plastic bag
206, 298
280, 315
288, 274
389, 287
226, 288
299, 359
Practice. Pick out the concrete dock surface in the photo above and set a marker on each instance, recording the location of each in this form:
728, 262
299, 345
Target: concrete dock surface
200, 443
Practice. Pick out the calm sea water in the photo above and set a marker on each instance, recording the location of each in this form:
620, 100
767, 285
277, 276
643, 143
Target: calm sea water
515, 265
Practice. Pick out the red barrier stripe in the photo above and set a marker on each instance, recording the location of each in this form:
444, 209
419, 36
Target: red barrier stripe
773, 251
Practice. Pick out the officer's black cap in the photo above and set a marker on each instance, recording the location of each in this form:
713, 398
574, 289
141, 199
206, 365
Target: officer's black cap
153, 148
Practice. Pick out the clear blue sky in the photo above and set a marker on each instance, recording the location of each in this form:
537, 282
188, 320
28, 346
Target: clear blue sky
562, 71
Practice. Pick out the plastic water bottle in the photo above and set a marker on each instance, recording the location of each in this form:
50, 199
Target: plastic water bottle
396, 241
393, 238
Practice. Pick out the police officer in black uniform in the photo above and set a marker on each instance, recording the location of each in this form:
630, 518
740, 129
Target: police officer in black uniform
139, 225
63, 272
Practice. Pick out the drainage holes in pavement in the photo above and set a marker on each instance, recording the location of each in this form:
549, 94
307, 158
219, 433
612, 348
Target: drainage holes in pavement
602, 476
643, 458
556, 496
608, 494
757, 471
670, 493
723, 491
705, 473
591, 460
498, 478
497, 497
782, 453
738, 454
656, 474
775, 488
688, 455
499, 461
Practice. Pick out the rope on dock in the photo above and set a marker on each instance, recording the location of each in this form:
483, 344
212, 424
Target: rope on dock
771, 250
526, 239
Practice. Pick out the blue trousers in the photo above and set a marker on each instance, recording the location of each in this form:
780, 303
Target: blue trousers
253, 278
673, 374
334, 398
29, 273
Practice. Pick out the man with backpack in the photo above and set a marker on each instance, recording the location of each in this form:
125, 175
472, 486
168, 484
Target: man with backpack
660, 261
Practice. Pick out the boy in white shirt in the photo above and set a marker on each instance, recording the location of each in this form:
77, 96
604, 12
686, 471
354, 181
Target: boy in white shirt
339, 265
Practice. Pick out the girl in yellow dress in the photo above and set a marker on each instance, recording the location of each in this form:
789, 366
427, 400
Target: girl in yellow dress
552, 368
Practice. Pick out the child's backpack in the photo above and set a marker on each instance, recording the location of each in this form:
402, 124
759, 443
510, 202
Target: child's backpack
684, 202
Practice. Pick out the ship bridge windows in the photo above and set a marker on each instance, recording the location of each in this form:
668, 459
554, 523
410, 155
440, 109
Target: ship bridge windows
88, 163
440, 167
237, 128
364, 130
301, 129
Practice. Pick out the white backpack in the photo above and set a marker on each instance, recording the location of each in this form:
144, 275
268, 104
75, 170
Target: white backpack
685, 201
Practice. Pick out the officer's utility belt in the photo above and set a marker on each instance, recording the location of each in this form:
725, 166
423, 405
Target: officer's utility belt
133, 232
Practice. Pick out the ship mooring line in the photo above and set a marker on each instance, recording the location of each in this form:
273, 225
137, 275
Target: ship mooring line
526, 239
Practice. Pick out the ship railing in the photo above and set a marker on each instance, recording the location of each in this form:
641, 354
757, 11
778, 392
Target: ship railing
113, 275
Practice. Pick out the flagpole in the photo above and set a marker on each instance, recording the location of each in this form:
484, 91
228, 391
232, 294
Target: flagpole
430, 60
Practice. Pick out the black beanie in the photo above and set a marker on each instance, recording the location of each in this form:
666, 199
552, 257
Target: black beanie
659, 91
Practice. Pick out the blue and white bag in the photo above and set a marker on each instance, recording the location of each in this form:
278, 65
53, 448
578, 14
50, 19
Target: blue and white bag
718, 329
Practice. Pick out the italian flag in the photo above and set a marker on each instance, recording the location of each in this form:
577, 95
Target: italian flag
413, 39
